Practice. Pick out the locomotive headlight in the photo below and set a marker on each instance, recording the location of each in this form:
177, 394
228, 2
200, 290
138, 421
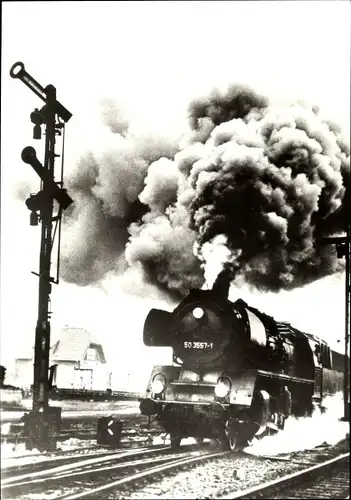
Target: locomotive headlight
158, 384
223, 387
198, 312
221, 390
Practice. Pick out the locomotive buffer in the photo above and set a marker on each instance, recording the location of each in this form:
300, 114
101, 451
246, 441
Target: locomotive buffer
43, 422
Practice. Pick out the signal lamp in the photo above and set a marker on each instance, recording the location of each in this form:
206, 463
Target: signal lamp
37, 132
35, 201
33, 219
38, 120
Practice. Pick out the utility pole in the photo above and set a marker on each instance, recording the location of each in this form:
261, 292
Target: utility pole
347, 325
43, 422
343, 249
347, 321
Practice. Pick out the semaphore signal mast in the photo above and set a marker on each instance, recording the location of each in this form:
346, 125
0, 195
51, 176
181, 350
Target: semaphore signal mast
43, 422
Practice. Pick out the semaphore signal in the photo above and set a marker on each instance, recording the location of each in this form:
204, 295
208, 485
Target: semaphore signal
43, 421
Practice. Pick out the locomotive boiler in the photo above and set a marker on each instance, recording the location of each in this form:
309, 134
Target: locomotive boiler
236, 373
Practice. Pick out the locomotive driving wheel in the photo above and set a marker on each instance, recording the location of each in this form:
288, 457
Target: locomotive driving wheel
231, 433
277, 420
272, 425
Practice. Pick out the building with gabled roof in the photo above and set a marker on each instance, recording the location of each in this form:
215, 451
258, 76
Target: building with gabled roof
77, 361
74, 344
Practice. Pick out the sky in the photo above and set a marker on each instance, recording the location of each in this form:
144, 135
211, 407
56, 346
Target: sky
152, 58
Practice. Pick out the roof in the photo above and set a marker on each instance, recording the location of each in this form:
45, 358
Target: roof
73, 345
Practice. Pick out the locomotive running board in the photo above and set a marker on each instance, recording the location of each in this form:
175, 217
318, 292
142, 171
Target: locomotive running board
192, 403
283, 376
193, 383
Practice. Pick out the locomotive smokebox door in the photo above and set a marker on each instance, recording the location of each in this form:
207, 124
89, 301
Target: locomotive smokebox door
109, 431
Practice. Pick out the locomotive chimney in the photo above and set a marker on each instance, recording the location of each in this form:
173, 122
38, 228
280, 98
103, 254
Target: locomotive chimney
222, 284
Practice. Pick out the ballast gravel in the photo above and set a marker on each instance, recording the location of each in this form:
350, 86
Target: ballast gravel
222, 476
212, 479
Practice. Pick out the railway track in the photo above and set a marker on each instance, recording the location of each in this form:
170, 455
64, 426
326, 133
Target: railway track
74, 452
149, 474
330, 479
50, 455
108, 473
28, 470
35, 472
87, 476
59, 438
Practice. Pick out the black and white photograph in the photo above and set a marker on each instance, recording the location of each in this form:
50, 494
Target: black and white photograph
175, 249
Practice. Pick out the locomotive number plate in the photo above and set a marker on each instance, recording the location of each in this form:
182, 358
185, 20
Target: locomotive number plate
198, 345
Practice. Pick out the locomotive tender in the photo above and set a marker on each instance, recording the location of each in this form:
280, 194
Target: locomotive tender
237, 373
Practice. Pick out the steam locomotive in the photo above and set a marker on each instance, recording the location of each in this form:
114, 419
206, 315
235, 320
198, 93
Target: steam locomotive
236, 373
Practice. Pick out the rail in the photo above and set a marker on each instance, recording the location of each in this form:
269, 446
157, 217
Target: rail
105, 472
267, 490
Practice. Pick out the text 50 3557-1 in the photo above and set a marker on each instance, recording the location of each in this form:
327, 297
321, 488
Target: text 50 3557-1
198, 345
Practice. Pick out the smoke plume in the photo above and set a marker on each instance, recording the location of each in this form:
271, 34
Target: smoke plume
106, 192
247, 192
321, 428
114, 118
